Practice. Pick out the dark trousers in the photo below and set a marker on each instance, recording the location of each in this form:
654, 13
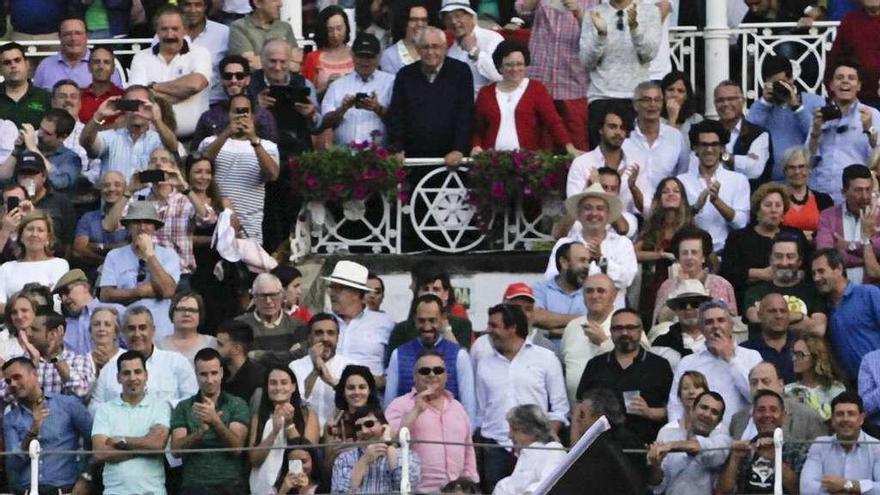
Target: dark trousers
212, 490
495, 463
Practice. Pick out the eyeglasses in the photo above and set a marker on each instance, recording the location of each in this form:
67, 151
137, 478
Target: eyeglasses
800, 354
239, 76
142, 271
713, 144
189, 311
437, 370
267, 295
628, 328
620, 20
648, 99
366, 425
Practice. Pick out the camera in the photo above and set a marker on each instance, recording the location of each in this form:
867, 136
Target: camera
128, 105
780, 92
830, 112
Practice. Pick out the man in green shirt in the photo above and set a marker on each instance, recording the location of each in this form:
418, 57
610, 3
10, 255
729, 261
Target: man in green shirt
210, 419
248, 34
20, 101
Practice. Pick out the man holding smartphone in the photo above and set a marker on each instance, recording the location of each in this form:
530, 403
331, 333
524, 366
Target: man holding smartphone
355, 103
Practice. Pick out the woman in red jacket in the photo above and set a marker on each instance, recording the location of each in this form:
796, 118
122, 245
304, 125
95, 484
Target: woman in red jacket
516, 112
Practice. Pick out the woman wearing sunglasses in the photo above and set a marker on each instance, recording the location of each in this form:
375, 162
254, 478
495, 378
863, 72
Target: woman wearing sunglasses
281, 418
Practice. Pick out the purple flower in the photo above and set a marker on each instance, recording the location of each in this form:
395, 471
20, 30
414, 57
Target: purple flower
360, 191
337, 188
498, 190
400, 174
311, 181
404, 196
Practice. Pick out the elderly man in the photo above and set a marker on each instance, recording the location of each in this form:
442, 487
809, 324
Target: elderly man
686, 461
277, 336
608, 252
142, 273
72, 61
213, 36
725, 364
243, 164
432, 414
248, 35
519, 372
127, 149
102, 68
175, 69
657, 148
78, 303
720, 196
775, 339
20, 100
363, 333
617, 45
640, 378
559, 300
59, 422
318, 373
432, 105
833, 466
132, 419
171, 376
210, 419
800, 422
234, 77
853, 311
91, 242
806, 309
473, 45
750, 467
685, 336
432, 327
355, 103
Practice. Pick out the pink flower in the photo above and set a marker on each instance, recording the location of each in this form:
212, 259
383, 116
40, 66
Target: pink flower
400, 174
360, 191
404, 197
498, 190
337, 188
382, 153
311, 181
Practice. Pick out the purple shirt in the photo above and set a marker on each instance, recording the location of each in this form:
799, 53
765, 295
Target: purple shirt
54, 68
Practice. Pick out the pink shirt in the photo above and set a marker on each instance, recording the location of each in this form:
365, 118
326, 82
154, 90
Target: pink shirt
440, 463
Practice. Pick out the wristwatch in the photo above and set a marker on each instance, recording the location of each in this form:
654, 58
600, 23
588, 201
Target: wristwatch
54, 360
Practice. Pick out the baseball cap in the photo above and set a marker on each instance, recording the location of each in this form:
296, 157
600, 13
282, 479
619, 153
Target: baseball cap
29, 162
519, 289
366, 44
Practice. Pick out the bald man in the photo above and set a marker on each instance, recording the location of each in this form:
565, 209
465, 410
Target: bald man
775, 341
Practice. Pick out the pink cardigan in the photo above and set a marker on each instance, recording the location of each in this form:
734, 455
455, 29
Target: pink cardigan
535, 117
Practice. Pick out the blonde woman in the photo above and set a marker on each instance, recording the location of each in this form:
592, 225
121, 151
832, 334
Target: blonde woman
36, 263
104, 329
818, 381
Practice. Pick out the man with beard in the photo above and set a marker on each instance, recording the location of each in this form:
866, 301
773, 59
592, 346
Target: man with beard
685, 335
806, 309
776, 338
640, 379
834, 466
853, 311
432, 414
242, 376
686, 461
431, 324
175, 69
750, 467
319, 372
78, 304
559, 300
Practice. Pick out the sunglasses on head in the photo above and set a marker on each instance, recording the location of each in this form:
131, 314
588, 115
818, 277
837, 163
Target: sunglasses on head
620, 20
237, 75
366, 425
437, 370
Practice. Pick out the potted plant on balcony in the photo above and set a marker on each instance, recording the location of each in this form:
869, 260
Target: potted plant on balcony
347, 176
536, 178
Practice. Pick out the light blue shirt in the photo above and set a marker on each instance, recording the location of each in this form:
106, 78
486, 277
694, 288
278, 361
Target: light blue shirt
685, 474
464, 373
363, 340
119, 153
141, 474
77, 334
843, 143
862, 463
358, 124
121, 271
787, 127
549, 296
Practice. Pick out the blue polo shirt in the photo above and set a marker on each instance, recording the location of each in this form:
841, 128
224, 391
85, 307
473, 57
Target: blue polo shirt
549, 296
855, 326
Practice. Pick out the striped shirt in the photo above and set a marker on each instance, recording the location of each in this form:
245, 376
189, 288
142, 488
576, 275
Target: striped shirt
240, 179
379, 477
119, 153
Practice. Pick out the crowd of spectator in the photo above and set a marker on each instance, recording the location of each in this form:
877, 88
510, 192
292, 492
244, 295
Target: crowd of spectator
712, 279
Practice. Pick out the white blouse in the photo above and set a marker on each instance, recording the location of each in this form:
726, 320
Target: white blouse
507, 139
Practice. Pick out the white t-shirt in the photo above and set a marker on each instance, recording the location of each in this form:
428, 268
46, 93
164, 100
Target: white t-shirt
15, 274
507, 138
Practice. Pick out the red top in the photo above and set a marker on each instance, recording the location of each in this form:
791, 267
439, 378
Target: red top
535, 117
805, 216
858, 37
90, 102
301, 313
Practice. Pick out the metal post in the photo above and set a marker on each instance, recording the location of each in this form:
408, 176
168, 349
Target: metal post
405, 489
717, 43
34, 453
291, 12
777, 462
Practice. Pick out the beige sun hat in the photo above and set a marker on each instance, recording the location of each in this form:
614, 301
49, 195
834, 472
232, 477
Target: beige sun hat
595, 191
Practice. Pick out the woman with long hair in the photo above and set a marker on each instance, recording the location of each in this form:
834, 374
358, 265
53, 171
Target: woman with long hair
19, 314
818, 380
356, 388
307, 480
333, 58
280, 418
680, 109
407, 23
670, 211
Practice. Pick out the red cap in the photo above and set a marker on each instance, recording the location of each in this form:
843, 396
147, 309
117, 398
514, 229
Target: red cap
519, 289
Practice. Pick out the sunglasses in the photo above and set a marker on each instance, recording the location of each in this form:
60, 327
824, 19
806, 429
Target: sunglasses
237, 75
437, 370
628, 328
688, 305
366, 425
620, 20
142, 271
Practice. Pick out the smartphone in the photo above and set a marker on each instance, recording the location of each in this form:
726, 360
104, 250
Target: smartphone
300, 95
241, 111
12, 203
359, 97
128, 105
280, 93
295, 466
152, 176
